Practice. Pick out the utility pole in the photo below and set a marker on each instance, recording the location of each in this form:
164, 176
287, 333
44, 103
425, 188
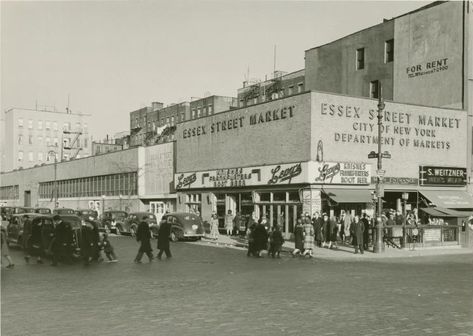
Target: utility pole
55, 177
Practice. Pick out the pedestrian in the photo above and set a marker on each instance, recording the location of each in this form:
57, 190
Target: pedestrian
317, 223
276, 241
250, 236
90, 240
333, 232
26, 237
341, 226
143, 236
214, 234
346, 226
366, 230
298, 238
308, 239
62, 241
261, 237
357, 233
164, 232
36, 240
229, 222
236, 223
5, 250
326, 231
108, 249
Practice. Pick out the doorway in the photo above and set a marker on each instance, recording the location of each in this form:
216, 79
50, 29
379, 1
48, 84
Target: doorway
158, 209
28, 198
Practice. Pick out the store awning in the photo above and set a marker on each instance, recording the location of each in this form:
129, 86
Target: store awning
435, 213
449, 199
455, 213
350, 195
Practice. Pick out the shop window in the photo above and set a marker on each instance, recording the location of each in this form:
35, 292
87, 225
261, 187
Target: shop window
264, 197
389, 51
246, 198
360, 58
374, 89
279, 197
294, 196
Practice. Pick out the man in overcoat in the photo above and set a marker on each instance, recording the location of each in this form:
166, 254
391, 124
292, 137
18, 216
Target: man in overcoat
357, 233
62, 241
164, 232
261, 237
143, 235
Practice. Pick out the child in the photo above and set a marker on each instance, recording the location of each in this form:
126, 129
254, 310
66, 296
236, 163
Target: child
5, 251
108, 249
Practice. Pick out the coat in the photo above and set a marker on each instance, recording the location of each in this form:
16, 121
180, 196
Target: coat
63, 239
357, 232
366, 226
318, 226
143, 235
347, 222
260, 237
163, 236
90, 239
308, 236
276, 239
299, 237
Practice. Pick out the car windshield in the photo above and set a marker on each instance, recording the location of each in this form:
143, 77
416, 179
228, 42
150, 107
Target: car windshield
118, 215
64, 211
43, 211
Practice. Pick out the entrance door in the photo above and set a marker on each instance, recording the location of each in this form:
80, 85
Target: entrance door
158, 209
28, 198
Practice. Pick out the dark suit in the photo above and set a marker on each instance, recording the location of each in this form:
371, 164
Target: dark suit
143, 235
163, 239
357, 233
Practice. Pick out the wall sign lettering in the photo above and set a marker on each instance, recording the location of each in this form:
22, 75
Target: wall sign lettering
287, 174
427, 68
442, 176
348, 173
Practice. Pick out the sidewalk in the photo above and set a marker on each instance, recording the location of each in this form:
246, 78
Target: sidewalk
344, 251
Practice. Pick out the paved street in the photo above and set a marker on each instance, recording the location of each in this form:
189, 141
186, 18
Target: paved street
207, 290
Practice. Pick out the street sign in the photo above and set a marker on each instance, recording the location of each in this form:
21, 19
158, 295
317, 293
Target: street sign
372, 155
386, 155
380, 172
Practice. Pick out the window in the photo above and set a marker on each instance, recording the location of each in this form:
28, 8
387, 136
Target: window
279, 197
211, 109
167, 120
85, 128
360, 58
40, 156
30, 139
183, 116
64, 126
40, 124
300, 87
389, 51
30, 124
290, 90
78, 126
374, 89
55, 126
30, 156
198, 112
48, 126
56, 142
85, 142
172, 120
48, 141
264, 197
40, 140
193, 114
255, 100
20, 156
20, 139
20, 122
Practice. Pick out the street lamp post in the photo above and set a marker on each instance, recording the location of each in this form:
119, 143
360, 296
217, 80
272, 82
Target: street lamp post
378, 245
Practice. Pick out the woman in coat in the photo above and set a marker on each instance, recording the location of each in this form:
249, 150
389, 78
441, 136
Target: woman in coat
275, 242
143, 235
326, 231
308, 239
298, 238
163, 238
357, 233
317, 223
214, 226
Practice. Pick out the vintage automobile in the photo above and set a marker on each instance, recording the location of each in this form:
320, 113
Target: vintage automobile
7, 212
90, 215
131, 223
113, 220
64, 211
43, 211
21, 226
185, 226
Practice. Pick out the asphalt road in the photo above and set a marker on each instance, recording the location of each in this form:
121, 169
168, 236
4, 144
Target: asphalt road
219, 291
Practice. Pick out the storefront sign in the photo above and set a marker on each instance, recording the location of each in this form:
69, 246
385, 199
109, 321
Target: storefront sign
350, 173
397, 180
442, 176
292, 173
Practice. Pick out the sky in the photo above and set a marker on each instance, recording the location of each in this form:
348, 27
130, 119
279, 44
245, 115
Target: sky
108, 58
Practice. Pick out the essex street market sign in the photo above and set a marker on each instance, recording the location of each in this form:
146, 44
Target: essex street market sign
278, 174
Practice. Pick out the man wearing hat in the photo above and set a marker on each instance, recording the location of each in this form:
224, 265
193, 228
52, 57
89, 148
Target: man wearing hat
62, 240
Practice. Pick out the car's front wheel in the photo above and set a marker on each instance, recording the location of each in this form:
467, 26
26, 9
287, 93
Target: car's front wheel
174, 236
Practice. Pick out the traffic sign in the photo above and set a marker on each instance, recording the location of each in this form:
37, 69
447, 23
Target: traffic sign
380, 172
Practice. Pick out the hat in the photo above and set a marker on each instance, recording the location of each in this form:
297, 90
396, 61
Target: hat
56, 217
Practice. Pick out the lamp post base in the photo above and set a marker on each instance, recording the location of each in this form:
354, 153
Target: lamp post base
378, 246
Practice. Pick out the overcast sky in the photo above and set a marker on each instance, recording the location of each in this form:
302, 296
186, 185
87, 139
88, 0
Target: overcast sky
114, 57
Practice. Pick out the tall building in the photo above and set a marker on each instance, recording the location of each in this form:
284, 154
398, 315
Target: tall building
203, 107
33, 137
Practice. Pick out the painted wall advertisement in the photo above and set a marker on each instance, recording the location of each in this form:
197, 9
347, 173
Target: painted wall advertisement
345, 173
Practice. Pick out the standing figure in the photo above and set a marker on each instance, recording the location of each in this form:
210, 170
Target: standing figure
326, 230
26, 237
366, 231
214, 234
236, 223
347, 226
333, 232
5, 250
317, 223
90, 239
36, 241
357, 231
261, 237
143, 235
229, 222
250, 236
298, 238
62, 241
308, 239
163, 238
275, 242
341, 226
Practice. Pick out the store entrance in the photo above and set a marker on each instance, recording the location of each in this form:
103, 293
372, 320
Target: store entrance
283, 215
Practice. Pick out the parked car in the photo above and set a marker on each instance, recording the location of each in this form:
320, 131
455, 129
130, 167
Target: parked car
90, 215
22, 224
131, 223
7, 212
114, 220
44, 211
64, 211
185, 226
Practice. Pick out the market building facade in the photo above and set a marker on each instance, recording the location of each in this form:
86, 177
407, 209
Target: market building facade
309, 152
